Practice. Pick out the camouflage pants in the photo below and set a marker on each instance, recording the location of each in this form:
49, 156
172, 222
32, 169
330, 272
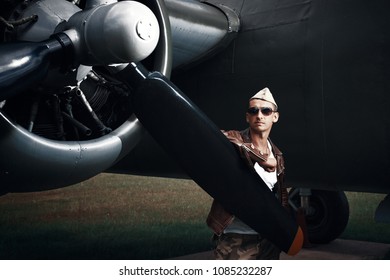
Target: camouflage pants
234, 246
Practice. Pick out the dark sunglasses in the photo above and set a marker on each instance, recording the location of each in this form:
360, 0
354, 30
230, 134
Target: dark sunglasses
266, 111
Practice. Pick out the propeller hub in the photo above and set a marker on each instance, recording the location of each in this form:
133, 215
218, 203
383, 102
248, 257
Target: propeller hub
122, 32
145, 30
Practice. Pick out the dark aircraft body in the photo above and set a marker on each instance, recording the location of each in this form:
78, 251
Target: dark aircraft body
326, 62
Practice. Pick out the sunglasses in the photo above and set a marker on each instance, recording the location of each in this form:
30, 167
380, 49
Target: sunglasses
266, 111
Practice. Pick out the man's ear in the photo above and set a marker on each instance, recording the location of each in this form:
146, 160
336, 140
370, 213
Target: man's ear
276, 117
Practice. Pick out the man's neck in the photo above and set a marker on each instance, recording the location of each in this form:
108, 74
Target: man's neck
259, 139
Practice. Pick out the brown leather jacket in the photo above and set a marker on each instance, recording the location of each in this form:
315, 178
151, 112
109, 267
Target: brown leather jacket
218, 219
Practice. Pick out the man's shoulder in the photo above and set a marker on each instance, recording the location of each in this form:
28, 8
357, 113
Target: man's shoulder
246, 135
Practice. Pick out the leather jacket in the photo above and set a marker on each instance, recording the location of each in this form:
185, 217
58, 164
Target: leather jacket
218, 218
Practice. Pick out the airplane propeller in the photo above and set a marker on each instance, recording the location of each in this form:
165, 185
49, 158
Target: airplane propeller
24, 64
178, 125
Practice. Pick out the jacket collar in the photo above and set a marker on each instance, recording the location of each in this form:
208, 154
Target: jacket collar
246, 136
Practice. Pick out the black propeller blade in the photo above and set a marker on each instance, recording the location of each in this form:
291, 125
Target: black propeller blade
208, 157
23, 64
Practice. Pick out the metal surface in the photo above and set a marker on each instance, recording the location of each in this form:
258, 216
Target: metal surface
117, 33
50, 15
198, 29
26, 63
29, 156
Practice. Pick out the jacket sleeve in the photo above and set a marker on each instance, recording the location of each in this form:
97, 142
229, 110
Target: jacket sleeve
218, 218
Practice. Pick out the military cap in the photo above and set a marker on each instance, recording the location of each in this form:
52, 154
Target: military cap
266, 95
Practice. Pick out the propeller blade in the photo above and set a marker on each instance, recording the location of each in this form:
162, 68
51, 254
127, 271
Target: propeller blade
24, 64
208, 157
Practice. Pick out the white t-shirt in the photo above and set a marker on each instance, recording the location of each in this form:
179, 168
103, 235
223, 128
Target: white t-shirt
270, 179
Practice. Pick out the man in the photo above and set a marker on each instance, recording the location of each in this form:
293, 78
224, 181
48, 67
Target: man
235, 239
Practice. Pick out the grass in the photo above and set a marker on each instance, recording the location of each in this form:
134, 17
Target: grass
107, 217
361, 225
130, 217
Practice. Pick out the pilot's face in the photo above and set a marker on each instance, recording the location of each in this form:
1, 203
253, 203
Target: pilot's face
261, 115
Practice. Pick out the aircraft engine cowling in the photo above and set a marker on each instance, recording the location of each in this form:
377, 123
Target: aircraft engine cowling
34, 162
78, 121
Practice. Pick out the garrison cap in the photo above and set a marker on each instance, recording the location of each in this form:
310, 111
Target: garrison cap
266, 95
